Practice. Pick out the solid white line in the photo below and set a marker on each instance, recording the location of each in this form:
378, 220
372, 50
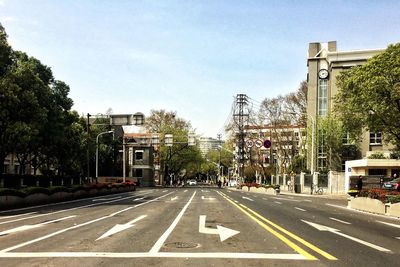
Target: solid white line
212, 255
337, 206
157, 246
103, 199
339, 220
77, 226
390, 224
75, 208
363, 242
299, 209
19, 215
398, 237
277, 202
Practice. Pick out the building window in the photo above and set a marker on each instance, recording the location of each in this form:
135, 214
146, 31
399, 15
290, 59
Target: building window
322, 97
346, 139
139, 155
139, 173
322, 155
375, 138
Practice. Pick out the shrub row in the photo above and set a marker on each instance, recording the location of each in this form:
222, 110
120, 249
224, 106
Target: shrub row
383, 195
55, 189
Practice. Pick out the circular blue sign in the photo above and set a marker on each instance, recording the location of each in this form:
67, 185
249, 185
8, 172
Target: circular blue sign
267, 144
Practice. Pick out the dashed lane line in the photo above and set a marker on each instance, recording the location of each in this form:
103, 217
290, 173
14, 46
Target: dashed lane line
334, 219
297, 208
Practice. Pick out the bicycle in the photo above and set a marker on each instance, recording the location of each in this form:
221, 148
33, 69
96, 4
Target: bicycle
316, 189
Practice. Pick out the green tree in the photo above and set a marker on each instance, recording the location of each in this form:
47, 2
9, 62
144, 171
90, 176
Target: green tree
369, 96
180, 157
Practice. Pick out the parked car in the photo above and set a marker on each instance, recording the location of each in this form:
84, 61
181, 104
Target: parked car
392, 185
192, 182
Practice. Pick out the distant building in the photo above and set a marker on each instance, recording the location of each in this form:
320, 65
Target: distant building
287, 141
324, 64
206, 144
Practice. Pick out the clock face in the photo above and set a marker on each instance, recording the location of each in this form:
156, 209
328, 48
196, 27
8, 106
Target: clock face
323, 74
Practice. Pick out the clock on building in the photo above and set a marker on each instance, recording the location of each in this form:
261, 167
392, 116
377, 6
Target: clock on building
323, 73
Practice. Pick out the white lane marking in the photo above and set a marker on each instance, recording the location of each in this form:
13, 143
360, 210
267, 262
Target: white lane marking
277, 202
207, 198
307, 200
104, 199
223, 232
265, 198
281, 198
157, 246
77, 226
121, 227
75, 208
390, 224
185, 191
165, 191
139, 198
212, 255
339, 220
67, 202
337, 232
19, 215
174, 198
297, 208
32, 226
337, 206
247, 198
205, 191
398, 237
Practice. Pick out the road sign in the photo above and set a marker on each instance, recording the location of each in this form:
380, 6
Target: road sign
258, 143
267, 143
249, 143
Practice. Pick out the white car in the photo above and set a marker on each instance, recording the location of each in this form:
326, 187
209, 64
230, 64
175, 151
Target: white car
192, 182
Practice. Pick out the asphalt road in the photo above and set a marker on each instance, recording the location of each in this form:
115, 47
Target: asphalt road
198, 226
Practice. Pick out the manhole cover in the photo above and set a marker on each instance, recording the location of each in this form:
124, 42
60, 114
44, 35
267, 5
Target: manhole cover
182, 245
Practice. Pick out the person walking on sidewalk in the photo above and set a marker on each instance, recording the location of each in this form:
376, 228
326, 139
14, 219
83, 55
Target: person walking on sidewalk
359, 183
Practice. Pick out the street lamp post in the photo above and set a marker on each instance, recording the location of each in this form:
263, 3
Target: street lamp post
97, 152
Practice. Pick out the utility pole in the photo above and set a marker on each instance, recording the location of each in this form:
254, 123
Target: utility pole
219, 161
87, 152
241, 115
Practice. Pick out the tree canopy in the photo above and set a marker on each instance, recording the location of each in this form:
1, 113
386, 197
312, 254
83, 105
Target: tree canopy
369, 96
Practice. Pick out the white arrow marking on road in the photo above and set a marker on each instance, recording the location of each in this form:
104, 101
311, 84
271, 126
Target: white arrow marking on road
336, 231
121, 227
32, 226
207, 198
104, 199
174, 198
247, 198
139, 198
223, 232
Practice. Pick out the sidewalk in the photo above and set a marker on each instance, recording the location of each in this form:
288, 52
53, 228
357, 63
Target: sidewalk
305, 194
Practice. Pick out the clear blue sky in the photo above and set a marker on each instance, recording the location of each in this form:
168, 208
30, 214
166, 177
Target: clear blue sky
191, 57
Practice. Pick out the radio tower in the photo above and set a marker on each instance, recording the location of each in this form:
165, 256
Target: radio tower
241, 116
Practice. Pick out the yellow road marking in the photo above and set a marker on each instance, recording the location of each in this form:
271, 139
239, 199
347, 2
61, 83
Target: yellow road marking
302, 241
275, 233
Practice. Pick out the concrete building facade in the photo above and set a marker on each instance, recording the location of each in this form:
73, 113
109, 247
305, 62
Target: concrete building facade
324, 64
